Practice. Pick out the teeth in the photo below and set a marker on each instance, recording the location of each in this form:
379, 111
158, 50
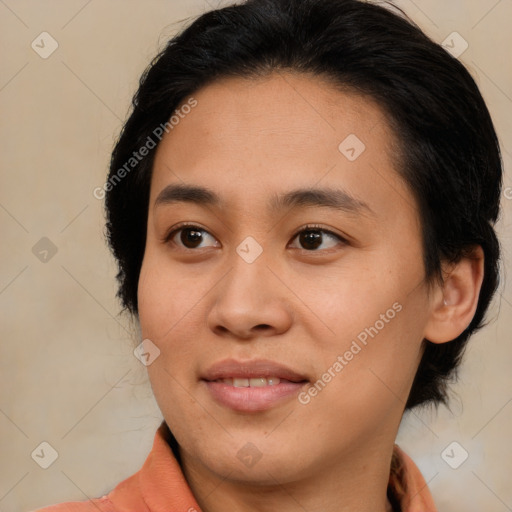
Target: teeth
241, 383
257, 382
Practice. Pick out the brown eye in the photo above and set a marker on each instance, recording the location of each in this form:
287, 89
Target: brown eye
311, 238
190, 237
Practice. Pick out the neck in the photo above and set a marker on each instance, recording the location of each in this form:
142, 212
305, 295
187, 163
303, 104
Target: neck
355, 481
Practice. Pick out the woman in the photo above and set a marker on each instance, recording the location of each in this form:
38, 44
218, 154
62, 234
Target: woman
301, 205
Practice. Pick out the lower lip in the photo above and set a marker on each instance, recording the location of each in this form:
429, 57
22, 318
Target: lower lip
254, 399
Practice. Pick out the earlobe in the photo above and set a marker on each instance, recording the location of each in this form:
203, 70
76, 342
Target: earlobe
454, 303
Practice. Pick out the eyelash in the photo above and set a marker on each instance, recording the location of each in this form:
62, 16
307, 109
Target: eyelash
309, 227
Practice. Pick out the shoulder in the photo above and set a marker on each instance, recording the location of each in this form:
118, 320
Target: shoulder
95, 505
408, 485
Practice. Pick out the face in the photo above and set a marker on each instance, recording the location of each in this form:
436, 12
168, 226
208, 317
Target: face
287, 297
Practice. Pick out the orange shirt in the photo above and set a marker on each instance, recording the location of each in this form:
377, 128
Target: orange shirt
160, 486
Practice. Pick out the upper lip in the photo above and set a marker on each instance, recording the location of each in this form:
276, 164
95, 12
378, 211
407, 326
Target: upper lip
233, 369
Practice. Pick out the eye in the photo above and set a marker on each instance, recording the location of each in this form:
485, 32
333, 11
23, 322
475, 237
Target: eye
312, 237
190, 236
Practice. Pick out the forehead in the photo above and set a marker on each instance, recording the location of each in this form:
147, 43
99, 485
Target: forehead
283, 131
302, 108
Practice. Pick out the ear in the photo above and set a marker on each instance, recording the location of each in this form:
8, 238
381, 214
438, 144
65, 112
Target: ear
453, 304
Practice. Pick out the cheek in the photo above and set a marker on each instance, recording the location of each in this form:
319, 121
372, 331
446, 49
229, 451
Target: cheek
187, 418
168, 308
375, 367
371, 352
363, 387
359, 307
362, 292
168, 296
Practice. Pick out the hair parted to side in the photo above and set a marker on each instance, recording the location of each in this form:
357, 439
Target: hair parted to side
449, 152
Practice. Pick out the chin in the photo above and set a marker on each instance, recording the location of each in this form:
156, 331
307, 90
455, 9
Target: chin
250, 459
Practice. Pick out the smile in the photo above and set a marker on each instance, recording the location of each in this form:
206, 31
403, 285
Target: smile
257, 382
252, 386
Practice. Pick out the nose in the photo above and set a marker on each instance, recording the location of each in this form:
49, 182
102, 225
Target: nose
250, 301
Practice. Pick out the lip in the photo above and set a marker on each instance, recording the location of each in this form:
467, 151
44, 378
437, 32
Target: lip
233, 369
252, 399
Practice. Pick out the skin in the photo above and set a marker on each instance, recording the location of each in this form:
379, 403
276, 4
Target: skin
248, 140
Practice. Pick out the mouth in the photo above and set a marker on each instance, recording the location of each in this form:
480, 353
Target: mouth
255, 382
252, 386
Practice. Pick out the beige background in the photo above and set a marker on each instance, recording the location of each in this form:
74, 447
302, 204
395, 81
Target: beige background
67, 370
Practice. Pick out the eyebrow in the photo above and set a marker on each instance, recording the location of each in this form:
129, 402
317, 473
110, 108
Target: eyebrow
336, 199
